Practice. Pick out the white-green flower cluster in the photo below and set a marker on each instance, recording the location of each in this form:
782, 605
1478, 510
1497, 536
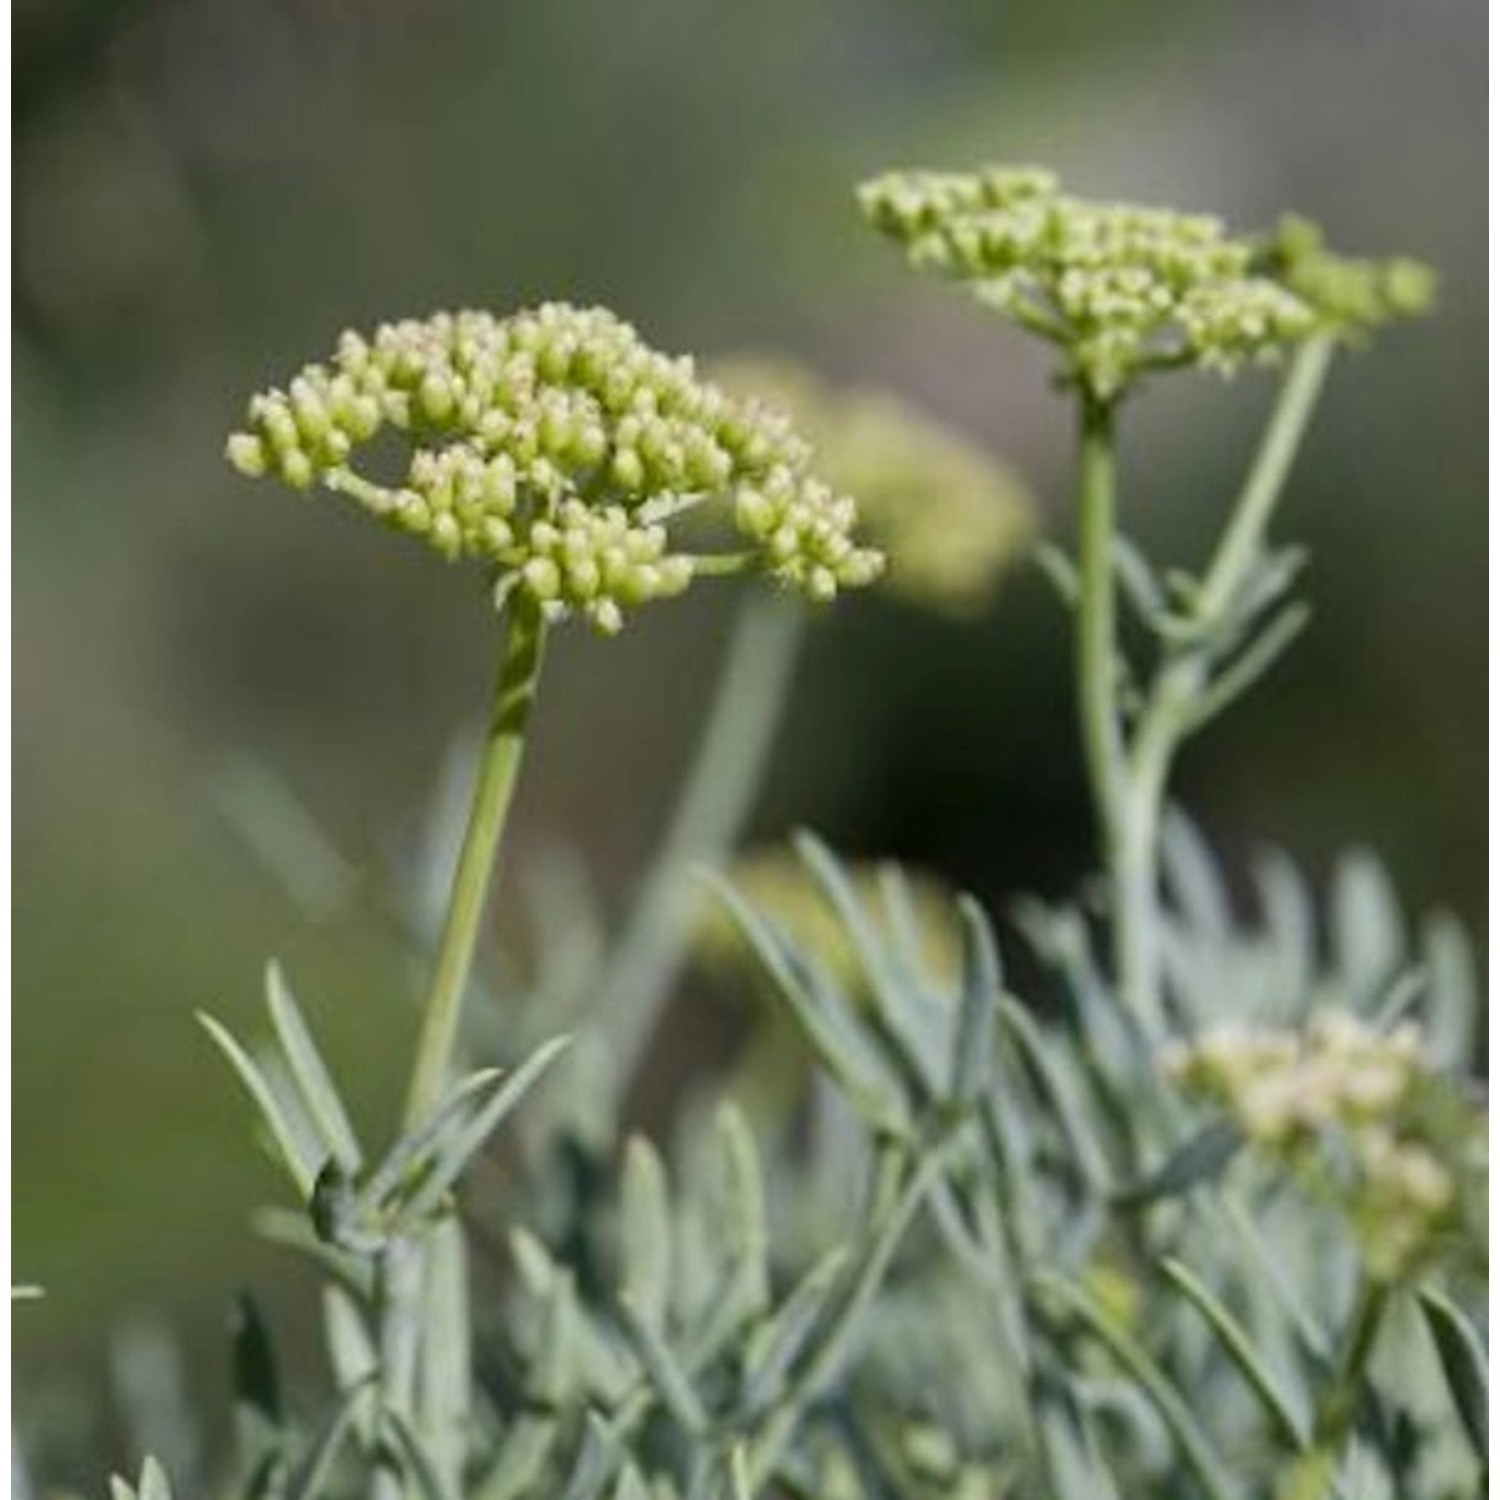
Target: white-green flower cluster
949, 517
1120, 289
1360, 1112
1353, 296
557, 447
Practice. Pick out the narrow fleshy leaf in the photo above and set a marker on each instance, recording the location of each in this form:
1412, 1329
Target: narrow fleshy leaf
1191, 874
1270, 580
915, 1038
292, 1231
533, 1260
646, 1230
404, 1156
1367, 928
1060, 937
1077, 1130
630, 1485
739, 1474
310, 1073
1269, 645
1272, 1275
667, 1375
1059, 570
277, 828
1291, 926
1398, 999
351, 1356
1140, 587
551, 1370
1465, 1365
1200, 1159
1192, 1440
908, 956
951, 1221
1454, 996
875, 1096
1075, 1468
974, 1037
745, 1207
778, 1343
529, 1443
282, 1128
310, 1480
455, 1152
446, 1376
598, 1457
1280, 1406
152, 1485
417, 1458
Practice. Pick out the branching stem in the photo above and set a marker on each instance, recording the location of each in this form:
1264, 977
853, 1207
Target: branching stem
1128, 779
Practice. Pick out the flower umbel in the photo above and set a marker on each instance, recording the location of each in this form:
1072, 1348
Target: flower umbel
1363, 1115
949, 517
1123, 290
557, 447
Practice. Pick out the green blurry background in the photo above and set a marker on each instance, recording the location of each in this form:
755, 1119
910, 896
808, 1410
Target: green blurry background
206, 193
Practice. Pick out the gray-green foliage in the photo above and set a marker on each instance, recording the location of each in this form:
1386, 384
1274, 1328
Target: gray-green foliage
1000, 1244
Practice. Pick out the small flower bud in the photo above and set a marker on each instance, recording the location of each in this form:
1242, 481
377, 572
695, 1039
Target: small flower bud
247, 454
627, 470
296, 468
542, 578
437, 396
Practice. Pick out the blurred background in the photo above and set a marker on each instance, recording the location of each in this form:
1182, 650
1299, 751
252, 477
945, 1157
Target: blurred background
206, 194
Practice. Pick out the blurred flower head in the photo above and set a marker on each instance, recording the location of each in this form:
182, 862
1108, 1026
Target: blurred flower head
1123, 290
557, 447
779, 885
1364, 1118
949, 517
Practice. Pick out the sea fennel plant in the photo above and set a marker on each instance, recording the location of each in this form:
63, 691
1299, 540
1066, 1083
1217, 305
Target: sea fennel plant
567, 457
1205, 1218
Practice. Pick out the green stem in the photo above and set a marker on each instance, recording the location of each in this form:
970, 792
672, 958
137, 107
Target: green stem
639, 972
1245, 534
1133, 829
1311, 1476
1096, 662
1134, 876
1125, 815
515, 689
